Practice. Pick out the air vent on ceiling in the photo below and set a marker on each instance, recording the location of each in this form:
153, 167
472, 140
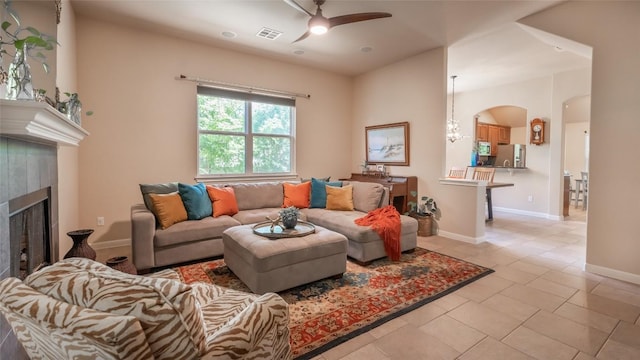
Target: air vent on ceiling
268, 34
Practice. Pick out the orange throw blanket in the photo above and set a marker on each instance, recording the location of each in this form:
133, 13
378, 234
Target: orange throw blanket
386, 222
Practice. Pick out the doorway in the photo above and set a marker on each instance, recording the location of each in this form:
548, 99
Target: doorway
576, 117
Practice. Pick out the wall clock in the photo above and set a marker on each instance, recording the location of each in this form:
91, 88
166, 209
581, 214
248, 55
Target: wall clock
537, 132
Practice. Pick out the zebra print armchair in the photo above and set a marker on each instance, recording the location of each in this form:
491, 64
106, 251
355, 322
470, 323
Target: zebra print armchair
78, 308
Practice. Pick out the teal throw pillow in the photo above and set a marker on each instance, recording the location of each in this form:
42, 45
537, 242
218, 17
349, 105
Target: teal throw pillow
319, 192
196, 200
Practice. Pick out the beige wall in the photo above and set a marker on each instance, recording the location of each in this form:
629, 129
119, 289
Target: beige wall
532, 95
144, 125
409, 90
609, 27
538, 97
68, 172
412, 90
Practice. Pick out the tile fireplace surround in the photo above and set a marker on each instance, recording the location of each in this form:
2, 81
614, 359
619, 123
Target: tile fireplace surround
30, 134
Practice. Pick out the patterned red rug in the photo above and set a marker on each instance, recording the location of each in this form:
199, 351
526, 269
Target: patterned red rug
328, 312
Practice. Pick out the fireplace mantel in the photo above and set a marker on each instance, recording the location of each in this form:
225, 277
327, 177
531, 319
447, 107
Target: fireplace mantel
38, 122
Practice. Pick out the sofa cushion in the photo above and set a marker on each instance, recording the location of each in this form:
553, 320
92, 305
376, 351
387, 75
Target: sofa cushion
196, 200
147, 189
343, 222
319, 192
256, 215
296, 195
325, 179
194, 230
340, 198
169, 209
259, 195
224, 200
166, 309
367, 196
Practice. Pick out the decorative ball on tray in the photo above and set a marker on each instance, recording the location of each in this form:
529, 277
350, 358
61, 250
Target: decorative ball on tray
289, 217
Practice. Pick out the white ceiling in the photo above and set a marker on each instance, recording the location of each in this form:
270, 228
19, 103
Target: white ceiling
486, 46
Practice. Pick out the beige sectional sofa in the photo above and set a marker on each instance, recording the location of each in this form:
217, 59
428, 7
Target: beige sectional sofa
190, 240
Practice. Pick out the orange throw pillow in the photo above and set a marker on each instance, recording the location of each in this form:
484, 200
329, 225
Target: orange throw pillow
169, 208
224, 201
297, 195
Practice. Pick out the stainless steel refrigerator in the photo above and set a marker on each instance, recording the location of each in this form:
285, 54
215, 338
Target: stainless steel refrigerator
513, 155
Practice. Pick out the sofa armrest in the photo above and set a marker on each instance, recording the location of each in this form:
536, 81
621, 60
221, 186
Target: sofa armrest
261, 328
52, 329
143, 230
384, 201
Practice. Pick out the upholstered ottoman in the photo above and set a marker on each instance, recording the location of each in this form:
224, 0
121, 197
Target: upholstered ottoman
271, 265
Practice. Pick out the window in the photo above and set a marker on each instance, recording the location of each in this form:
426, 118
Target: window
244, 134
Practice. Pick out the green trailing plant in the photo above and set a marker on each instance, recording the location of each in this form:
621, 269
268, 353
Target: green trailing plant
63, 106
25, 38
427, 207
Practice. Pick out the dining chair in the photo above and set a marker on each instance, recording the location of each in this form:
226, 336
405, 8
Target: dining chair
585, 188
457, 172
484, 174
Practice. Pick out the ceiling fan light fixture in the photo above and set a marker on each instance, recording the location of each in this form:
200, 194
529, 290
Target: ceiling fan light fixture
318, 25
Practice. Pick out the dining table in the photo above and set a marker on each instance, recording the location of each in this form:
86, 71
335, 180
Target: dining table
491, 186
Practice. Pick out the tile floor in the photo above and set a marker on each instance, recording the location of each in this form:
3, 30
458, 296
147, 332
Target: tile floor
539, 303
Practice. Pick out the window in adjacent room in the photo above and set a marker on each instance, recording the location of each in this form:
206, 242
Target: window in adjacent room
244, 134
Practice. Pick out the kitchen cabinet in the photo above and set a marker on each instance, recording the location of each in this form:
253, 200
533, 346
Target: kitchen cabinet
494, 134
482, 132
504, 135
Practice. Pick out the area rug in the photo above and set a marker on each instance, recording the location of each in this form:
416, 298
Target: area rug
328, 312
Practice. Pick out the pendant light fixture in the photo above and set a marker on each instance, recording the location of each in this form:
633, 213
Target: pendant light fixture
453, 128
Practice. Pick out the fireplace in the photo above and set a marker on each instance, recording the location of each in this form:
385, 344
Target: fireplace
29, 233
30, 133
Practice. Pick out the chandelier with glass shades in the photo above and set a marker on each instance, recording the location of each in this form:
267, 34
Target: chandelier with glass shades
453, 128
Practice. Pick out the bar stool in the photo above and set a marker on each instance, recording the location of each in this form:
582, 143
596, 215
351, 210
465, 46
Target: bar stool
457, 172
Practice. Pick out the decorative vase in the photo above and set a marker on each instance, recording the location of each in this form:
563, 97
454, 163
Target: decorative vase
19, 86
4, 77
74, 108
474, 158
290, 223
80, 246
122, 263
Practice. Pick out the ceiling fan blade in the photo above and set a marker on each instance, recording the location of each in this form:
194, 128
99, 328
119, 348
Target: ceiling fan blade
351, 18
298, 7
304, 36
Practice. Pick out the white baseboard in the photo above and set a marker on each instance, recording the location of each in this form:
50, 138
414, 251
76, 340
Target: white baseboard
529, 213
613, 273
111, 244
464, 238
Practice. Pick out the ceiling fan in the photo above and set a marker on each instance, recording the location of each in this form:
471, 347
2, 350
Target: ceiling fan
318, 24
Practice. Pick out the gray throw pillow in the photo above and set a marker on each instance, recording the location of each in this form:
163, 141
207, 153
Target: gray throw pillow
147, 189
366, 195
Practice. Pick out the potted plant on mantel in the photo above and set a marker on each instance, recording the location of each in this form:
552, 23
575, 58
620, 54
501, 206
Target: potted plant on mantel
424, 213
18, 78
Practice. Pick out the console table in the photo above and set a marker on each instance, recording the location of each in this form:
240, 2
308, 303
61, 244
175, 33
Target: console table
402, 189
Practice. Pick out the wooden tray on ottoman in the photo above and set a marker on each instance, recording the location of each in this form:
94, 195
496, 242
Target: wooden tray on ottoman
303, 228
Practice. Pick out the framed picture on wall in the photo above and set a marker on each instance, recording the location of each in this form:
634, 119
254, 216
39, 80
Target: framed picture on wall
388, 144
